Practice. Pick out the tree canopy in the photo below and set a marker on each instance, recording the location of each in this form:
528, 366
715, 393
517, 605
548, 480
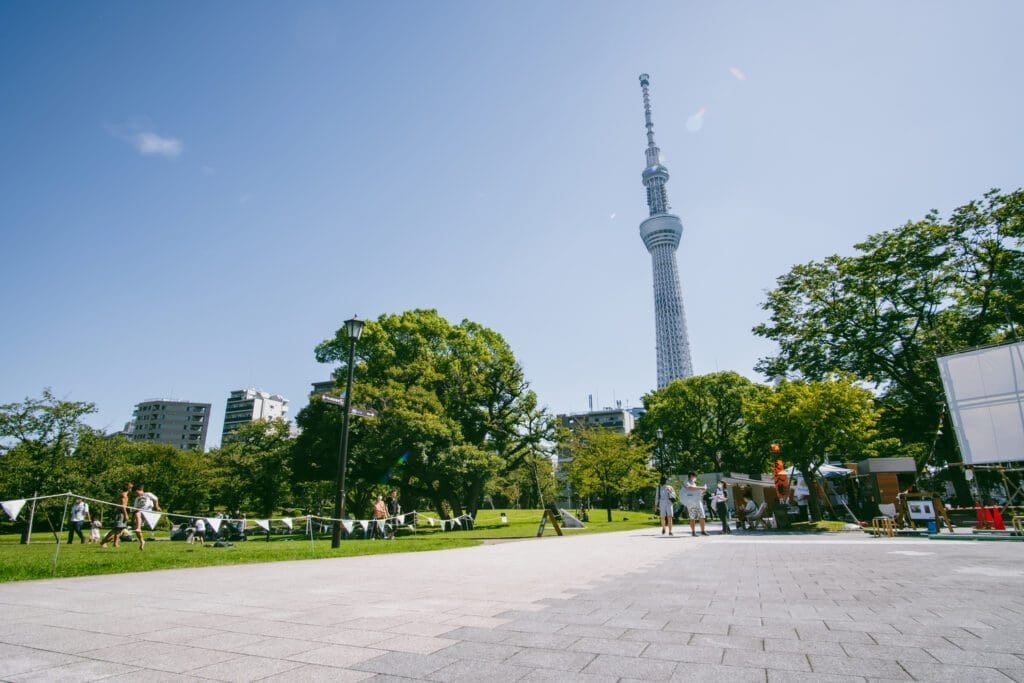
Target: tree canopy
928, 288
607, 464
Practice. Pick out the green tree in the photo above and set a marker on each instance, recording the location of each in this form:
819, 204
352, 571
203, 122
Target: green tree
257, 463
908, 295
444, 393
813, 420
38, 437
701, 419
608, 464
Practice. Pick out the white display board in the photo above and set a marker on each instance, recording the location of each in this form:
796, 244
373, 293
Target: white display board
985, 394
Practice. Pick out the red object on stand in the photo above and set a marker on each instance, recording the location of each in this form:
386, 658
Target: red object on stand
997, 519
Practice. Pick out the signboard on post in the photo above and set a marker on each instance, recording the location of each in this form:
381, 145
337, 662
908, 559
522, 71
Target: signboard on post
358, 412
363, 412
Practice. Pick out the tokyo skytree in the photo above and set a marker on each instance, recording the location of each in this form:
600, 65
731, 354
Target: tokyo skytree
661, 233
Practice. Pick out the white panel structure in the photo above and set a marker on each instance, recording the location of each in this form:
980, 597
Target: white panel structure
661, 233
985, 394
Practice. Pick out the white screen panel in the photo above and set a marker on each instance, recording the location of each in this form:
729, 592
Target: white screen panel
985, 394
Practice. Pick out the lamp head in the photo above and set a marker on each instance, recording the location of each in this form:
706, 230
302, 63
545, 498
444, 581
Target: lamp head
660, 433
354, 328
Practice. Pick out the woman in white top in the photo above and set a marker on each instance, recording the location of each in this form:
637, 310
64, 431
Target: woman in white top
664, 502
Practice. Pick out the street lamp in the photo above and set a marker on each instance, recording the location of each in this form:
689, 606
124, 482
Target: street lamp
353, 328
661, 453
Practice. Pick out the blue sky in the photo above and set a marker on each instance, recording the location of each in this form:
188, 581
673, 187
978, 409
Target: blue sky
194, 197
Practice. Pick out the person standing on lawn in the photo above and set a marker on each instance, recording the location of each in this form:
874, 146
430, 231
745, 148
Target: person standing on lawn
394, 510
720, 500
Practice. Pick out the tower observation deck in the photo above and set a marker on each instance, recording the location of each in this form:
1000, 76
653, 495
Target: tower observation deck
661, 233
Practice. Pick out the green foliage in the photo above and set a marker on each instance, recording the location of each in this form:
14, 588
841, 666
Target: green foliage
928, 288
608, 464
701, 418
256, 461
455, 411
38, 438
811, 420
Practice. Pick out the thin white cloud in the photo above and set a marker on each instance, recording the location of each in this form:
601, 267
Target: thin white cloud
151, 144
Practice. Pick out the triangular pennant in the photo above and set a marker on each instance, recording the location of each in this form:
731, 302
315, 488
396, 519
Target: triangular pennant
400, 520
214, 523
287, 521
347, 523
430, 521
380, 524
151, 518
455, 522
263, 524
13, 507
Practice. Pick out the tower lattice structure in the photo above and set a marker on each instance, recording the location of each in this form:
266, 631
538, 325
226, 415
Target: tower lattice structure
661, 233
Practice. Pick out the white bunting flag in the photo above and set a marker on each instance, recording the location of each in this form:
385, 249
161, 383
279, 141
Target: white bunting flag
287, 521
430, 521
214, 523
380, 524
455, 522
400, 520
151, 518
13, 507
347, 523
263, 524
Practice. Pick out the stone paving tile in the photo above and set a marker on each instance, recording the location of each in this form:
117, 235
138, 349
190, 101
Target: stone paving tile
718, 628
488, 652
343, 656
163, 656
741, 642
405, 664
766, 660
153, 676
923, 671
969, 658
834, 636
551, 659
910, 641
423, 628
664, 637
686, 673
423, 645
470, 620
798, 677
467, 671
314, 673
86, 670
531, 626
994, 643
902, 653
66, 640
550, 641
556, 676
1015, 673
582, 631
876, 668
643, 669
348, 636
245, 668
684, 653
608, 646
273, 647
807, 647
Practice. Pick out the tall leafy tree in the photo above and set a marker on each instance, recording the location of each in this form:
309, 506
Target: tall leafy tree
607, 464
701, 419
449, 398
813, 420
928, 288
257, 462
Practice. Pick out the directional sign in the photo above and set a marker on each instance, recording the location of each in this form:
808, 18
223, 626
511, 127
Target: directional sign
363, 412
327, 398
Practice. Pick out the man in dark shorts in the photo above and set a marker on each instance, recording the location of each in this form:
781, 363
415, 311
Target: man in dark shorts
120, 519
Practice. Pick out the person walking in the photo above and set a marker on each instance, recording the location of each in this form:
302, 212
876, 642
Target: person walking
94, 531
720, 500
664, 502
380, 514
695, 503
144, 502
79, 515
394, 510
120, 519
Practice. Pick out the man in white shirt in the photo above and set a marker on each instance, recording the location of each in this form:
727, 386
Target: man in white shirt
79, 515
144, 502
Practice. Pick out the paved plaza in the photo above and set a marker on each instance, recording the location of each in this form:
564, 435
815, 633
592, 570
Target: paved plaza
612, 607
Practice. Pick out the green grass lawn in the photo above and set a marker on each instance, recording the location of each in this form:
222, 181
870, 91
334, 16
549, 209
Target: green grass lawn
36, 560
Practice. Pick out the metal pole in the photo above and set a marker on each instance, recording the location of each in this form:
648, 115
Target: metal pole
339, 500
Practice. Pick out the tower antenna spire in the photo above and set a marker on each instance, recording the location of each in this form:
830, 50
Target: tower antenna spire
655, 175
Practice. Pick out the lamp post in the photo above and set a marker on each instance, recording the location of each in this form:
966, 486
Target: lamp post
354, 328
661, 453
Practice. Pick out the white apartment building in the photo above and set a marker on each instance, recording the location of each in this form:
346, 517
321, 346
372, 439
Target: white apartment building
248, 405
182, 424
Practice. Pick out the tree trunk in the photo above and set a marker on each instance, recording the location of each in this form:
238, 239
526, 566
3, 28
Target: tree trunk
812, 499
608, 503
